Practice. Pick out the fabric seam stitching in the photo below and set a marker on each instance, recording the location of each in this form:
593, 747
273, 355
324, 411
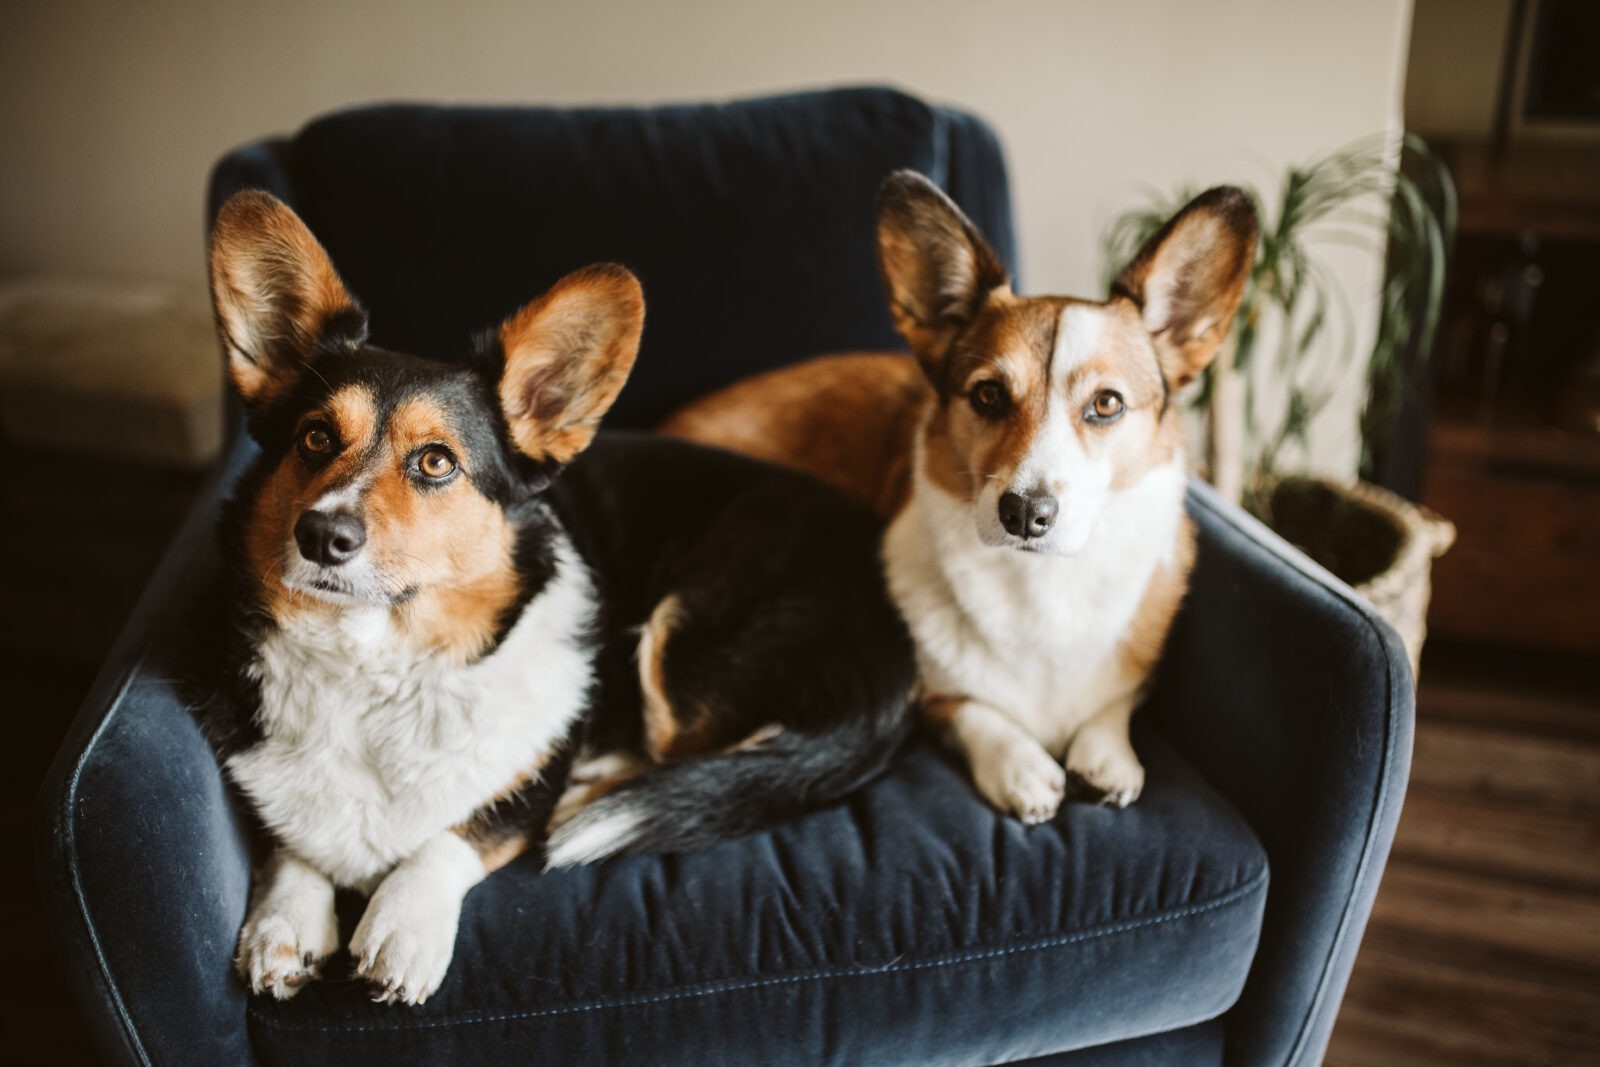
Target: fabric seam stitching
735, 985
1379, 801
70, 833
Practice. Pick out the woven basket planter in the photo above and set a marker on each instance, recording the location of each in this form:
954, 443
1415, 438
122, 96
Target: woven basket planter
1381, 544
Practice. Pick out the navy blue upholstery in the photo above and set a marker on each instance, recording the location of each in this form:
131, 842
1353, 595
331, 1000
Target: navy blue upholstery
910, 924
750, 225
1296, 700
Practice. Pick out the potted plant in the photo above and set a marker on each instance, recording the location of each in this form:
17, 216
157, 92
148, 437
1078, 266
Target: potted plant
1294, 336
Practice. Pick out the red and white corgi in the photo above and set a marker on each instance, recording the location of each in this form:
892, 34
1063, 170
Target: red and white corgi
441, 593
1030, 461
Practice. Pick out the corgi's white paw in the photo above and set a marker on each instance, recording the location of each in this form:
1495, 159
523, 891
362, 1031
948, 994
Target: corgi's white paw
1105, 765
404, 942
1019, 778
285, 941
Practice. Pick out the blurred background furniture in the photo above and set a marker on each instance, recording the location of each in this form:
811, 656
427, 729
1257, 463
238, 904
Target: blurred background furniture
911, 924
1508, 430
117, 369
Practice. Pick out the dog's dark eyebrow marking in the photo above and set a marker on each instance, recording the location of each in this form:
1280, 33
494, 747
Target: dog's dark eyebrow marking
1166, 386
1050, 346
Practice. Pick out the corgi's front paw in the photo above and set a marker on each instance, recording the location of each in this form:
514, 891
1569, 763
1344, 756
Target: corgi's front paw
1021, 779
284, 944
1104, 767
404, 942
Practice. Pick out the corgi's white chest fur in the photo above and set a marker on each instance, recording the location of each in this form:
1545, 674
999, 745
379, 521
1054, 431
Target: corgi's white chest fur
368, 750
1034, 636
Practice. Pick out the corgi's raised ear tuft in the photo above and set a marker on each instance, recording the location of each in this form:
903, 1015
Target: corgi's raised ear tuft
1189, 277
278, 299
567, 356
937, 268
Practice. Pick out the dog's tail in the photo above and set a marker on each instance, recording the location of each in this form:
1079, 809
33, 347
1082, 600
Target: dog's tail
699, 801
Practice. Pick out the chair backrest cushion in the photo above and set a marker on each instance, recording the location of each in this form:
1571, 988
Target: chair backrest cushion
749, 223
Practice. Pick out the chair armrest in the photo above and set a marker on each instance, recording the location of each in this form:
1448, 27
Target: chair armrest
143, 858
1296, 700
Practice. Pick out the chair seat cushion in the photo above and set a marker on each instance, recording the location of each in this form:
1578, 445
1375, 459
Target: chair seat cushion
911, 924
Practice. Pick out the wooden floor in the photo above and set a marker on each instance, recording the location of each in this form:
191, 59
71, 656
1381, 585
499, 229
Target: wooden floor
1485, 945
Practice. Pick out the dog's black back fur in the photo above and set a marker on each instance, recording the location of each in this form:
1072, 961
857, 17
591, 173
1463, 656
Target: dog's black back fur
786, 621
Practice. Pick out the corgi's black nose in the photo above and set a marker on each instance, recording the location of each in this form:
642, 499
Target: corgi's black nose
1028, 516
329, 537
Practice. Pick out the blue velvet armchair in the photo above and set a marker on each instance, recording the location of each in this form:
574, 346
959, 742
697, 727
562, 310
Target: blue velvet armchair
1215, 921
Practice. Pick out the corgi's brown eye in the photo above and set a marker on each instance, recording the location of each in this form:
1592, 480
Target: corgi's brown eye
316, 440
1106, 406
436, 463
989, 399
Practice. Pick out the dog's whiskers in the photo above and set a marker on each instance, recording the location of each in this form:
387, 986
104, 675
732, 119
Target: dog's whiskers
307, 364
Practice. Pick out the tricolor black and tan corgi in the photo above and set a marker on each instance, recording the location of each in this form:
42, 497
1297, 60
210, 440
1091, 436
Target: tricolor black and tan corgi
1030, 461
441, 597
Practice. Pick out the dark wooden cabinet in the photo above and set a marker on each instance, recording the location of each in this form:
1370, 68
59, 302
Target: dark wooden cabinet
1513, 449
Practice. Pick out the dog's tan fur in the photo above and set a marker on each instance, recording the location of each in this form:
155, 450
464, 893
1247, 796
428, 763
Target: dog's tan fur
553, 400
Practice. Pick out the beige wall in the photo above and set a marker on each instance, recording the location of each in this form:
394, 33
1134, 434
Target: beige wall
112, 112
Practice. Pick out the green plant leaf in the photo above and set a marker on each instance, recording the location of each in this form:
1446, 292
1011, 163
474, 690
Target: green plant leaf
1380, 195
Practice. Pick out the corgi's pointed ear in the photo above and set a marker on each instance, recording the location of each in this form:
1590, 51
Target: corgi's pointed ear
1189, 277
937, 268
567, 356
277, 297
